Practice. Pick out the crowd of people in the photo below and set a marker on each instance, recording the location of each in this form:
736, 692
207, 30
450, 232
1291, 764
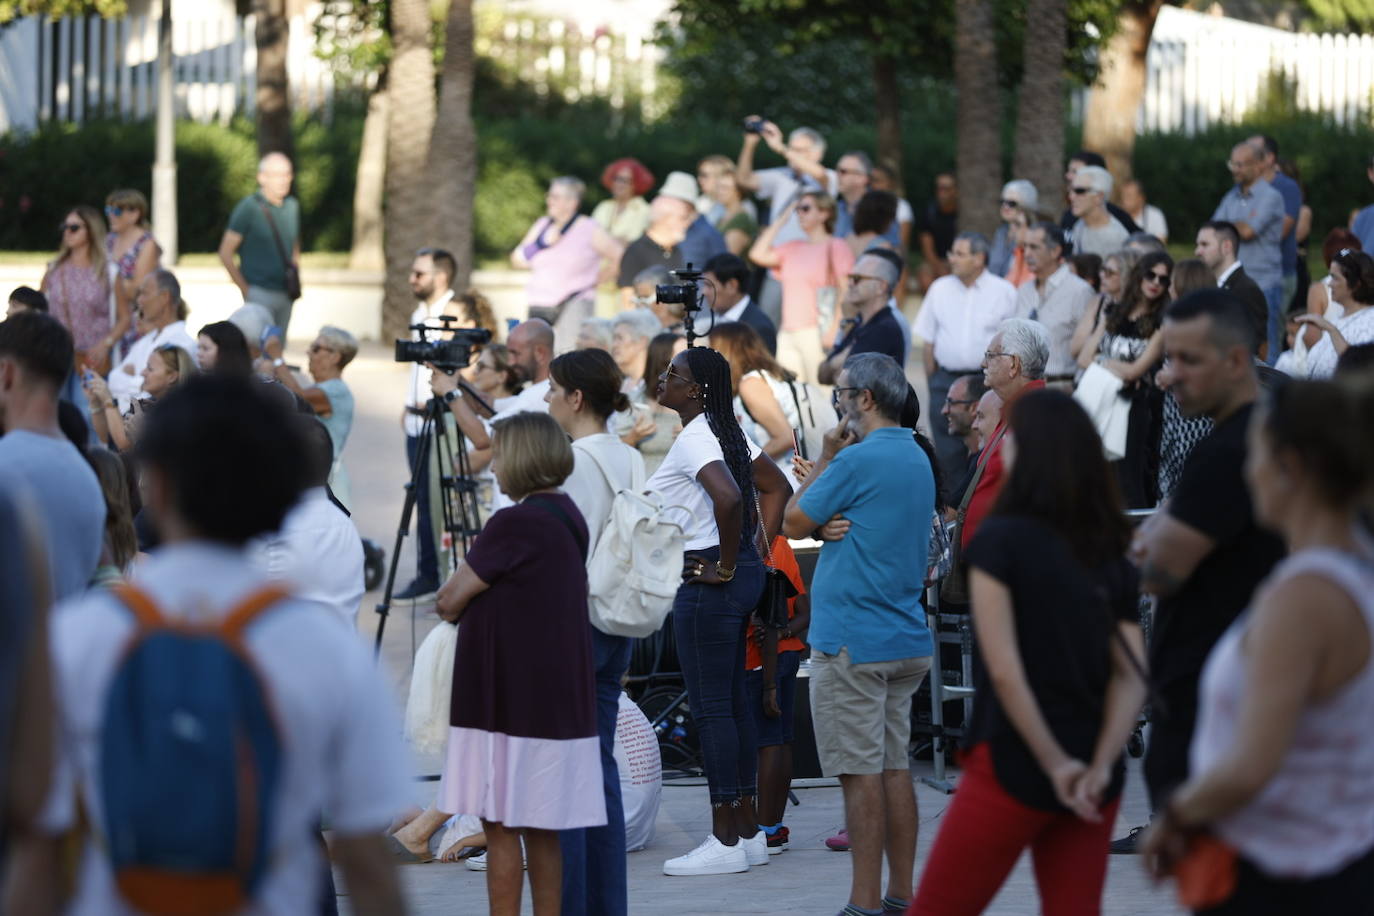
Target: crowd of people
1074, 372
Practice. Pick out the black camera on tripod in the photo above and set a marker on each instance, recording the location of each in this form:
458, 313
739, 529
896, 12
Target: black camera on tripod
685, 292
449, 354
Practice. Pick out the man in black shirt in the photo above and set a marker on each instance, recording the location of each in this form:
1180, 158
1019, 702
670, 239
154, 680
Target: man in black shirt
939, 224
875, 329
1202, 553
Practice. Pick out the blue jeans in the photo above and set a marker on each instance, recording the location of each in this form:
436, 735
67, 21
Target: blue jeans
709, 622
427, 569
594, 857
1273, 297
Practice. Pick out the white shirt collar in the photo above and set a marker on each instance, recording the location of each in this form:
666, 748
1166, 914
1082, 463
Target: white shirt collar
1226, 275
428, 311
736, 310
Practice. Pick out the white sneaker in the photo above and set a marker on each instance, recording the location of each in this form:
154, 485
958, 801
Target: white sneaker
712, 857
756, 848
479, 861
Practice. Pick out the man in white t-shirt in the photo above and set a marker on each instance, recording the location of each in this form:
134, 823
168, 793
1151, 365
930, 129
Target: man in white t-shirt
318, 550
162, 316
220, 466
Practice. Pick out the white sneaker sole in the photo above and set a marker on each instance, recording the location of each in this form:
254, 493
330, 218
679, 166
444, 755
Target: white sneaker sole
756, 855
715, 868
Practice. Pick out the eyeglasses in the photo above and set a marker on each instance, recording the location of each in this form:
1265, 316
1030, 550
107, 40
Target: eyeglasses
669, 373
111, 210
1077, 191
71, 227
317, 347
835, 395
991, 355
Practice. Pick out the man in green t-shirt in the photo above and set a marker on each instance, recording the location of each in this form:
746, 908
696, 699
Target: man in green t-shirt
264, 255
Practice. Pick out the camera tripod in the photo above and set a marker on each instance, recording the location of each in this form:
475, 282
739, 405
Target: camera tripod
457, 498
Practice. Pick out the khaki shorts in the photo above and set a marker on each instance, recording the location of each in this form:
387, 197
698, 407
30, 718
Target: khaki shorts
862, 713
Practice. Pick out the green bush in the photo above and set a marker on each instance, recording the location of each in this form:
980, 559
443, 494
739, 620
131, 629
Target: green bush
59, 165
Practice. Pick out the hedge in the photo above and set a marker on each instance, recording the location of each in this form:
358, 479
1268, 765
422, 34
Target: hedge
49, 170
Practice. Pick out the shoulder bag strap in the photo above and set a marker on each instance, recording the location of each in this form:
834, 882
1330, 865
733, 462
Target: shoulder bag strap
248, 610
276, 236
556, 510
959, 518
763, 532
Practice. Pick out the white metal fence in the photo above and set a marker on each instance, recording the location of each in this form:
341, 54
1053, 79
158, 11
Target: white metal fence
79, 68
1206, 69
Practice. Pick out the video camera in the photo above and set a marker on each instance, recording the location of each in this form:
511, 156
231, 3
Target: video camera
685, 292
449, 355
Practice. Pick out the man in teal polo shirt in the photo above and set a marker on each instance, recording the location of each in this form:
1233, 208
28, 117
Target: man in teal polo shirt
264, 255
870, 647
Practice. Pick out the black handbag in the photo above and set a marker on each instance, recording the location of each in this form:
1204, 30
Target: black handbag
777, 588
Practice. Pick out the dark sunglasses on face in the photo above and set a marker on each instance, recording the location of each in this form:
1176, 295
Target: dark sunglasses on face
1009, 203
1081, 190
1153, 277
71, 227
111, 210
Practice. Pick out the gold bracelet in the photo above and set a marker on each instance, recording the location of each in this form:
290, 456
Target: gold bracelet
723, 574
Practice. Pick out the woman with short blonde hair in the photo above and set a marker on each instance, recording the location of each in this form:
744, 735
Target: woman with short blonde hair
521, 595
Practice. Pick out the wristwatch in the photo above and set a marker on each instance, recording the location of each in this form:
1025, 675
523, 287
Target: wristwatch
451, 396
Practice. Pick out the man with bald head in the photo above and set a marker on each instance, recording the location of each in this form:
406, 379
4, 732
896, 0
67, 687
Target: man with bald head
869, 324
265, 232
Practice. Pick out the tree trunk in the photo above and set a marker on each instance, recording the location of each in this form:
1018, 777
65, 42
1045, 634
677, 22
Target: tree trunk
1040, 110
979, 137
888, 107
273, 99
410, 204
453, 148
1113, 103
366, 252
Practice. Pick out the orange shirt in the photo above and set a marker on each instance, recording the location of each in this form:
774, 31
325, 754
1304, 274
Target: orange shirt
785, 560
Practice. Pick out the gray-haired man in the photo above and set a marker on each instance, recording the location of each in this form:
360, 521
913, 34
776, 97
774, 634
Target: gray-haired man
960, 314
265, 232
876, 328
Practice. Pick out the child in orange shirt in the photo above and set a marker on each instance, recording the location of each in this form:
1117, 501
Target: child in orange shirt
771, 661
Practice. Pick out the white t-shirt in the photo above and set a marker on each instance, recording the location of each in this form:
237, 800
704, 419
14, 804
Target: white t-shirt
343, 757
420, 392
531, 400
589, 489
676, 478
126, 387
319, 552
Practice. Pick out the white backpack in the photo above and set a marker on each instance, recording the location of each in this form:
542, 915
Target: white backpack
634, 571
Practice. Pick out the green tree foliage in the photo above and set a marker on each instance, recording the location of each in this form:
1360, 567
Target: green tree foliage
1341, 15
10, 9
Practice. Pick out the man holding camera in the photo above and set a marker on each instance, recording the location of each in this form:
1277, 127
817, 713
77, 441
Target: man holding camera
431, 274
782, 186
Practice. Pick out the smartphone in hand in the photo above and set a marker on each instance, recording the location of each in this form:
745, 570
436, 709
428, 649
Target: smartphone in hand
796, 442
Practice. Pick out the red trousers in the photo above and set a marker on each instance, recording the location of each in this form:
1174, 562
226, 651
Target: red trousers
983, 833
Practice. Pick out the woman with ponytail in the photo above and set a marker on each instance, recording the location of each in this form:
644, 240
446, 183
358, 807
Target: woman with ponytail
726, 482
584, 392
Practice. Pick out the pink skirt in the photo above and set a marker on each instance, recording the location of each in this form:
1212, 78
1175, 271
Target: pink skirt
542, 783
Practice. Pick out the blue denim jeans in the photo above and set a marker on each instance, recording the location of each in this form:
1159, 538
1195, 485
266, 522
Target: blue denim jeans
427, 569
594, 857
1273, 297
710, 622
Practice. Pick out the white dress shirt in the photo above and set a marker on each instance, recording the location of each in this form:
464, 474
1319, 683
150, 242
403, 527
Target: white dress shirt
1226, 274
735, 311
125, 386
319, 553
1065, 298
960, 320
428, 314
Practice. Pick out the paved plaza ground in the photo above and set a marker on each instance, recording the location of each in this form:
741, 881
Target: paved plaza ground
808, 879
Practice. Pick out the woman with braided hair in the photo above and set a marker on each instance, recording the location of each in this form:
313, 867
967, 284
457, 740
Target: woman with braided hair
725, 482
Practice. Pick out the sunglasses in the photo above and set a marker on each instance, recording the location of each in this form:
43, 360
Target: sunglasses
1153, 277
316, 348
113, 211
1081, 190
1009, 203
71, 227
669, 373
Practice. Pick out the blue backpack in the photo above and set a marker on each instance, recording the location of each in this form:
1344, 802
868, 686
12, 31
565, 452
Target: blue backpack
190, 763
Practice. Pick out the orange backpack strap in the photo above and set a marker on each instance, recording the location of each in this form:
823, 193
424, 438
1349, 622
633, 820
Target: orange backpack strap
249, 608
142, 606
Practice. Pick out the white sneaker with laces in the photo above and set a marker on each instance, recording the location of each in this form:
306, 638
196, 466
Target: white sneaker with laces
476, 863
756, 848
712, 857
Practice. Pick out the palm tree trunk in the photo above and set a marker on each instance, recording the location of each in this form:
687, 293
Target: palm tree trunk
1040, 110
366, 252
889, 117
453, 148
410, 205
1109, 122
273, 101
979, 136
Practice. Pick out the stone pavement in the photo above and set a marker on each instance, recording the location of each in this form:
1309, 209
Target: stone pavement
808, 879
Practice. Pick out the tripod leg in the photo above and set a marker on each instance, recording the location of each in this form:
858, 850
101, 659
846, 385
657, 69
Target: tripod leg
407, 510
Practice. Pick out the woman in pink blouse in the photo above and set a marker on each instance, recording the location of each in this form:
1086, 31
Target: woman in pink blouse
814, 273
78, 287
